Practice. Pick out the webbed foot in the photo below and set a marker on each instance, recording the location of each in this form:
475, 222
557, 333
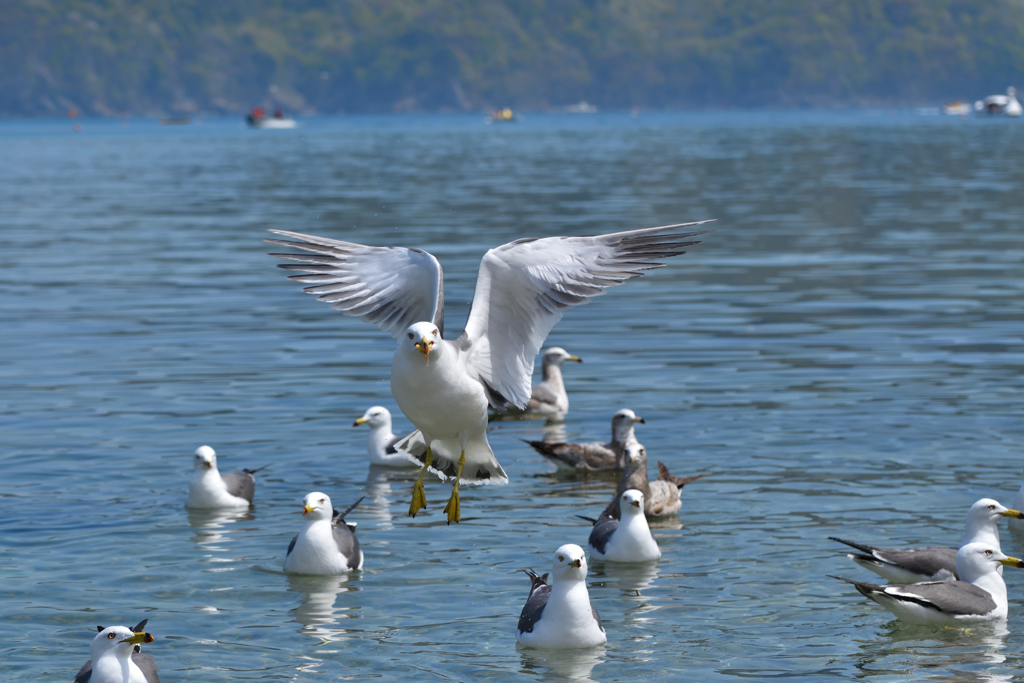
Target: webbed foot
453, 508
419, 496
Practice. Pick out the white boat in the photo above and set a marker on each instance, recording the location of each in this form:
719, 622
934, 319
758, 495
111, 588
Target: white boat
582, 107
258, 118
957, 108
1000, 104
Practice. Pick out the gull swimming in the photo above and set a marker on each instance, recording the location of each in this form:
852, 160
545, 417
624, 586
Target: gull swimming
208, 488
979, 595
326, 544
116, 657
560, 616
661, 497
381, 445
548, 399
627, 539
595, 456
933, 563
522, 288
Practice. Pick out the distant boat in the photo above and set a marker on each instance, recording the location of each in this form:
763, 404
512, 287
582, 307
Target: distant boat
175, 121
582, 107
1000, 104
957, 108
505, 115
258, 118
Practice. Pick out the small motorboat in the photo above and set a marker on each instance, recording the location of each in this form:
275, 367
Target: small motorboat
956, 108
1000, 104
505, 115
258, 118
582, 107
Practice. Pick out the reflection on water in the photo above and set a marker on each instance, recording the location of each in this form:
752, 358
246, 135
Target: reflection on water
210, 527
383, 484
573, 665
968, 652
317, 613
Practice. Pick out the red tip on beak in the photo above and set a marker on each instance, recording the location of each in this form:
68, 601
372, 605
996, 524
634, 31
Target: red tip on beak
577, 563
304, 511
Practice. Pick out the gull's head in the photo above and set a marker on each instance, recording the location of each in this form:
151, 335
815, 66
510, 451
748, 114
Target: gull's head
987, 511
377, 416
631, 502
977, 559
623, 421
117, 639
556, 355
206, 459
422, 339
1011, 91
636, 457
316, 506
570, 563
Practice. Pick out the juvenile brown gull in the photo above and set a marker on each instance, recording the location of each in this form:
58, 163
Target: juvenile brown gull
548, 399
595, 456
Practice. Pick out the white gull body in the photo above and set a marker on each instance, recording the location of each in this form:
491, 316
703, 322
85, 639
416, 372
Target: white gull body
324, 545
627, 539
560, 616
113, 658
548, 399
381, 444
208, 489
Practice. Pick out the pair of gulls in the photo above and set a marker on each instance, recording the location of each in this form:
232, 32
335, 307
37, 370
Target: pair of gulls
939, 585
445, 387
116, 657
326, 543
560, 615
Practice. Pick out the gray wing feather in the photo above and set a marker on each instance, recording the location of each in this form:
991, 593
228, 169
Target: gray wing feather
602, 532
389, 447
391, 287
522, 289
925, 561
291, 546
951, 597
147, 664
240, 484
597, 617
348, 544
542, 393
595, 457
84, 674
540, 591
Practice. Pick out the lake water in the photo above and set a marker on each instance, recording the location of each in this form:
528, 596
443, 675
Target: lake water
843, 354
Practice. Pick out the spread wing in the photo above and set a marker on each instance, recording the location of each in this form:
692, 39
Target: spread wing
391, 287
524, 286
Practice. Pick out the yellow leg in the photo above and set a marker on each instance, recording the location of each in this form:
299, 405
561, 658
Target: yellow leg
453, 508
419, 497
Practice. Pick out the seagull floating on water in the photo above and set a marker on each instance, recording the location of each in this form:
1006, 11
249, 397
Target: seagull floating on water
661, 497
548, 400
381, 445
933, 563
627, 539
326, 544
208, 488
116, 657
1001, 104
979, 595
522, 288
595, 456
559, 616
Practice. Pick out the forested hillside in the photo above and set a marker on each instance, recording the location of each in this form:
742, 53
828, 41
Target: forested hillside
119, 57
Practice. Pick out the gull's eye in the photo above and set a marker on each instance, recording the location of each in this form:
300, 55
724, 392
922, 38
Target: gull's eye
410, 335
991, 507
110, 636
322, 500
561, 559
988, 552
435, 333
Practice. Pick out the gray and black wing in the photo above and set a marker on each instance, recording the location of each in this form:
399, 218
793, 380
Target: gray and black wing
85, 673
391, 287
148, 666
240, 484
955, 598
926, 561
389, 447
602, 532
540, 591
291, 546
345, 537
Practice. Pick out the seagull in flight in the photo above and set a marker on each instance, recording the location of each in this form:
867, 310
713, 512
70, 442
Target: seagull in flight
444, 387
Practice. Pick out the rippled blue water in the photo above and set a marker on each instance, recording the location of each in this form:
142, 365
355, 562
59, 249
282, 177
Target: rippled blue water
844, 356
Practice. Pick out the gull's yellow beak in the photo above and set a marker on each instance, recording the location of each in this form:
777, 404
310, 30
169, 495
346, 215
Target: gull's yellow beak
576, 563
1013, 562
139, 638
635, 503
640, 420
360, 421
424, 347
575, 358
1016, 514
308, 508
209, 464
